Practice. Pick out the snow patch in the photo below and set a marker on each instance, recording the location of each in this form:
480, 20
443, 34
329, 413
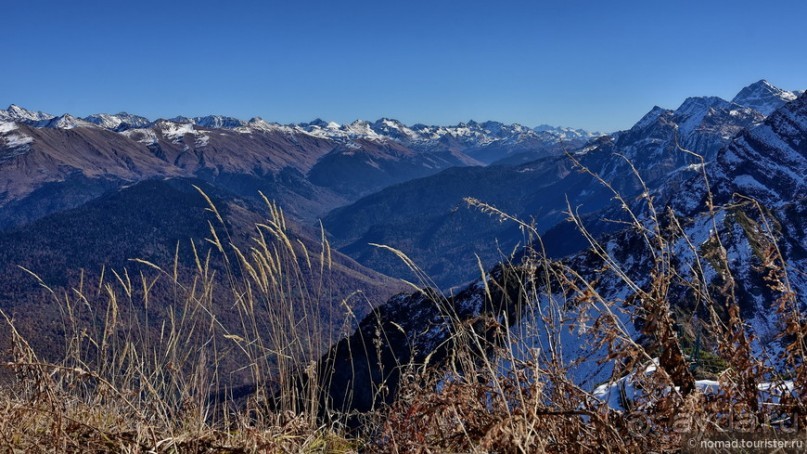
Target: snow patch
7, 127
202, 140
144, 136
15, 140
618, 393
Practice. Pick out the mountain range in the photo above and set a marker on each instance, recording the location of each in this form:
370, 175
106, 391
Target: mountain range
309, 168
429, 220
84, 193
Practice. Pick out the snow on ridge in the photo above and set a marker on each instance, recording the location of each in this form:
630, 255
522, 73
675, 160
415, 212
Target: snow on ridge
143, 135
472, 134
104, 120
218, 122
691, 114
113, 122
172, 130
13, 139
15, 112
66, 121
176, 131
259, 124
650, 117
764, 97
7, 127
202, 140
567, 133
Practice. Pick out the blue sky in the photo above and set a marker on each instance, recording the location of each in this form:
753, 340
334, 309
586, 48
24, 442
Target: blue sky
595, 64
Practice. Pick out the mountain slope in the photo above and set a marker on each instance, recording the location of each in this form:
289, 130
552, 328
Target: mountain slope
153, 220
428, 220
763, 97
606, 292
769, 162
363, 167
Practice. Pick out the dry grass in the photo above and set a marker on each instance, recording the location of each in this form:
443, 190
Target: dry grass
131, 383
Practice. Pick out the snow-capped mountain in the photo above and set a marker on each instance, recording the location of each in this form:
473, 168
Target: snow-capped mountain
764, 97
218, 122
65, 121
655, 144
487, 141
566, 133
658, 146
119, 121
22, 115
769, 161
479, 143
344, 161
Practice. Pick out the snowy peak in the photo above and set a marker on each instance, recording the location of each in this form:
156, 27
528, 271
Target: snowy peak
650, 118
118, 122
764, 97
361, 129
260, 124
218, 122
394, 129
324, 130
317, 122
23, 115
565, 133
698, 105
104, 120
495, 139
471, 134
693, 111
65, 121
175, 128
714, 115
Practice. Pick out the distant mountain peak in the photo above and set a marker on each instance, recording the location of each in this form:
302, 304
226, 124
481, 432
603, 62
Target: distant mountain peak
317, 122
564, 131
218, 122
389, 122
119, 121
650, 117
23, 115
763, 97
66, 121
698, 104
181, 119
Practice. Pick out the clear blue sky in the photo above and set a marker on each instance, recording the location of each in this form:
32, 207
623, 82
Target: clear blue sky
593, 64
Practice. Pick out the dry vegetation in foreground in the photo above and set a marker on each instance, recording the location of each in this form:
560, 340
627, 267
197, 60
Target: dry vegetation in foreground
119, 391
